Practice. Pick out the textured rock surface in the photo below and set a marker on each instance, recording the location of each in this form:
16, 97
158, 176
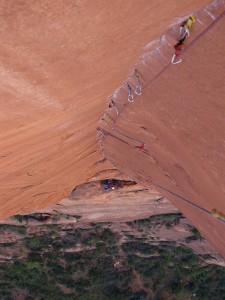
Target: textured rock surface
59, 61
180, 118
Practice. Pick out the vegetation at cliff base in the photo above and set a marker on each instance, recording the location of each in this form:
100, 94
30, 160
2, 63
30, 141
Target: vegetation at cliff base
99, 261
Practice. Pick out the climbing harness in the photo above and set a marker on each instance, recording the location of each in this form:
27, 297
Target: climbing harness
184, 30
184, 34
130, 95
138, 89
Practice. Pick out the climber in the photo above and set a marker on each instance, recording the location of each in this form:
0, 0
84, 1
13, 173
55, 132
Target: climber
186, 26
106, 185
142, 148
111, 184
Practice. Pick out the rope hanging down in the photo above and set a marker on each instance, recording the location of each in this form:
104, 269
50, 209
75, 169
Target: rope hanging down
211, 214
214, 214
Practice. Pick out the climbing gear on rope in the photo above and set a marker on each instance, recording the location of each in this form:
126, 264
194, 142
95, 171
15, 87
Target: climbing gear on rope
130, 95
185, 32
174, 62
138, 89
113, 104
184, 29
186, 26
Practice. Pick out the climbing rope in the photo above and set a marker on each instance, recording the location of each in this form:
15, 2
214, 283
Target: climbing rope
211, 214
129, 137
214, 214
104, 132
217, 19
139, 89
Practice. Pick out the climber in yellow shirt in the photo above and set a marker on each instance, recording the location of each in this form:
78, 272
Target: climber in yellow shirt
186, 26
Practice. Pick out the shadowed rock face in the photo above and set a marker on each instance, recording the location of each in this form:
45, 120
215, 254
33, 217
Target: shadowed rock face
127, 207
60, 60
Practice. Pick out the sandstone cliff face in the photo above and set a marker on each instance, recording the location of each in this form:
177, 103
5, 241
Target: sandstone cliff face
128, 205
172, 135
60, 60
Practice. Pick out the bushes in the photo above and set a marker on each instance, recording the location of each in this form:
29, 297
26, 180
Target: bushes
165, 219
196, 233
18, 229
146, 267
168, 270
19, 218
134, 246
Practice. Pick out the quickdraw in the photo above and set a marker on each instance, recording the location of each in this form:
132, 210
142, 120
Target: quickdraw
138, 89
130, 95
113, 104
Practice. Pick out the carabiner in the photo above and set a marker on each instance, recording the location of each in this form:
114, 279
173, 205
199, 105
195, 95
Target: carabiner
130, 95
175, 62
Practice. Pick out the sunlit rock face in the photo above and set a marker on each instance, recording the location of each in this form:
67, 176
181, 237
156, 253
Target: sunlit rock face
172, 135
59, 61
